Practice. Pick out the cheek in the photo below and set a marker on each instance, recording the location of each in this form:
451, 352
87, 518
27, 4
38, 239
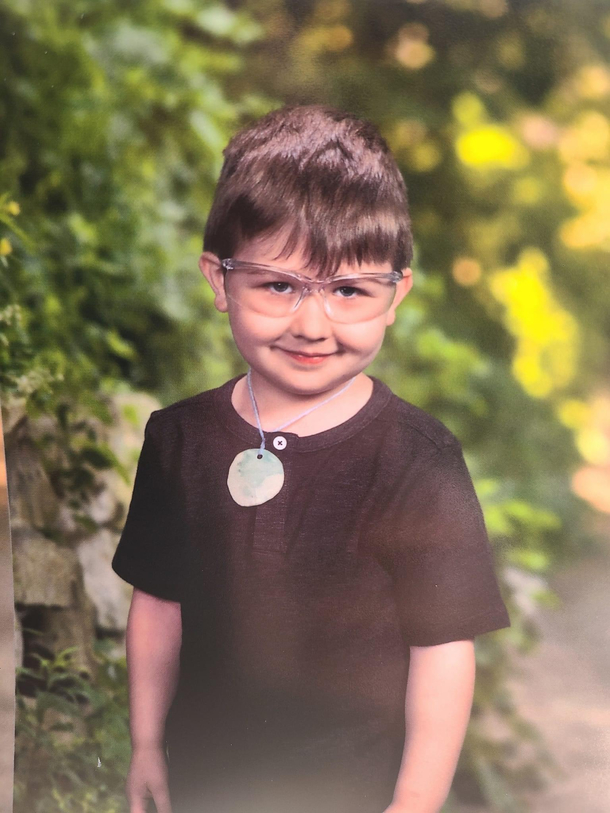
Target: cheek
362, 336
254, 327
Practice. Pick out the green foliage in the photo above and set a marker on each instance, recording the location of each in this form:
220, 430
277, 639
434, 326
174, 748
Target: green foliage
115, 118
72, 737
23, 372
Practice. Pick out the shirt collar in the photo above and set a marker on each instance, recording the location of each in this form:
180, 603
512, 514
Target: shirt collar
233, 421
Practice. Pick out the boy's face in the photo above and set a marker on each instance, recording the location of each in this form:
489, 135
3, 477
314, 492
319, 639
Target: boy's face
266, 341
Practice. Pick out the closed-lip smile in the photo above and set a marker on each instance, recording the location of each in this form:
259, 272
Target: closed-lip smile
307, 355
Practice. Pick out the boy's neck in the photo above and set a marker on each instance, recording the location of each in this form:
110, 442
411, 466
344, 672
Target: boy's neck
273, 414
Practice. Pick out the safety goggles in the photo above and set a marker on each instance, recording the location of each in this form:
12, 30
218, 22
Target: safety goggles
275, 292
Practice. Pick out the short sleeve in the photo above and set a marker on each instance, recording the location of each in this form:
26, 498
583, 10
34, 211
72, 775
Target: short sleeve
439, 555
148, 552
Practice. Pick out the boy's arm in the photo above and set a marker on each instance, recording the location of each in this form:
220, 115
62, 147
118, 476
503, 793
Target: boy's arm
438, 703
153, 639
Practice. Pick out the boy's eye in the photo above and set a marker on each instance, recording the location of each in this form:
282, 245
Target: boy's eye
276, 287
350, 291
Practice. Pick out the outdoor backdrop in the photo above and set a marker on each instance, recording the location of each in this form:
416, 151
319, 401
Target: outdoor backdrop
114, 116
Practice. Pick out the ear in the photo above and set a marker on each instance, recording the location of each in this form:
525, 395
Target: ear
402, 289
210, 267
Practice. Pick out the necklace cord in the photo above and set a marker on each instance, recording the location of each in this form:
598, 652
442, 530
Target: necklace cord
292, 420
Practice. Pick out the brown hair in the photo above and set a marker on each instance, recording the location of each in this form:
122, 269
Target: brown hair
321, 176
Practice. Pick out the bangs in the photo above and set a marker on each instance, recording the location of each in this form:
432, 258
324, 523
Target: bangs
317, 181
327, 242
331, 225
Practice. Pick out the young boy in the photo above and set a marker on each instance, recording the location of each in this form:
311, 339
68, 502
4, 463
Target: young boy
287, 581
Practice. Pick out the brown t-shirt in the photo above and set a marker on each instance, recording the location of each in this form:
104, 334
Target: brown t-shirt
298, 614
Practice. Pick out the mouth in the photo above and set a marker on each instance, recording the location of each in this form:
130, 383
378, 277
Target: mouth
307, 358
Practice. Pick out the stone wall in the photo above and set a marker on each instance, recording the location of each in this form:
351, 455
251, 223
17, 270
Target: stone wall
65, 587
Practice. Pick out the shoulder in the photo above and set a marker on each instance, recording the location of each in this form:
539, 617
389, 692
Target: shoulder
184, 407
193, 414
411, 427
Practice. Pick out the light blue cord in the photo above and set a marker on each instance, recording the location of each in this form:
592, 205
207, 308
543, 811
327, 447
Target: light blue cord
293, 420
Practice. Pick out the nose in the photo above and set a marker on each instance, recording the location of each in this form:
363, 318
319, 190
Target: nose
310, 319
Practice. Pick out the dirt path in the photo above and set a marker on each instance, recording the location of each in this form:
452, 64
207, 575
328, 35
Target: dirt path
564, 688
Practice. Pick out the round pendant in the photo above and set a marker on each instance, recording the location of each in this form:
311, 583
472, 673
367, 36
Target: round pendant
253, 481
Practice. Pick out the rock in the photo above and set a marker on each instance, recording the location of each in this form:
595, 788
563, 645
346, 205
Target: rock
110, 595
31, 495
49, 576
66, 525
103, 507
44, 573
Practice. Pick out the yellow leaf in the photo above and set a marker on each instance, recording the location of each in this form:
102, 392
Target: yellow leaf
489, 145
547, 338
